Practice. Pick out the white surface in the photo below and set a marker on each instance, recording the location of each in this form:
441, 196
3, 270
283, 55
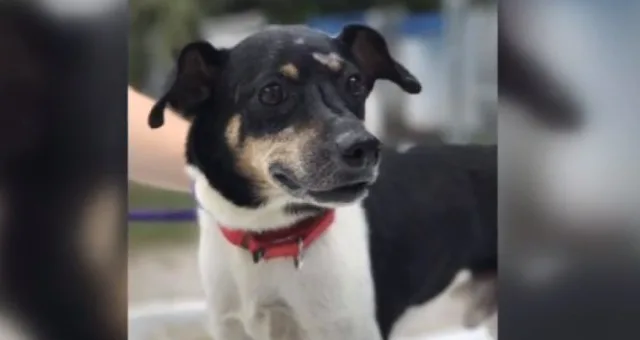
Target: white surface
144, 320
480, 334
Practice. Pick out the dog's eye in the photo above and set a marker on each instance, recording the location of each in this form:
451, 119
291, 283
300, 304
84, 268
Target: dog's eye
355, 86
272, 94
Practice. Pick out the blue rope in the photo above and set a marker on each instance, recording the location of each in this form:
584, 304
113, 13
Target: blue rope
180, 215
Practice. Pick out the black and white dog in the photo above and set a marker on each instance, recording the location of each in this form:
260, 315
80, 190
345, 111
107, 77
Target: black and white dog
309, 228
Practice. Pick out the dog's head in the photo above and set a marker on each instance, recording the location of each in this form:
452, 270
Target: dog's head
281, 113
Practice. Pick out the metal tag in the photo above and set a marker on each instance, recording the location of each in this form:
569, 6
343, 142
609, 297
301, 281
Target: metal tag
258, 255
297, 261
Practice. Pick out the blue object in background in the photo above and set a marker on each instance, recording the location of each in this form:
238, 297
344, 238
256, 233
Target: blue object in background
179, 215
416, 24
423, 24
333, 24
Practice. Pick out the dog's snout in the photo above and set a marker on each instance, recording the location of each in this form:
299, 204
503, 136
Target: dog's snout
358, 150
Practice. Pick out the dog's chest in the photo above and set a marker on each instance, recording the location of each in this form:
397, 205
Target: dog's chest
334, 283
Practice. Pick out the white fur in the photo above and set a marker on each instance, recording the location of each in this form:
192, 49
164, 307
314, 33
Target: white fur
330, 298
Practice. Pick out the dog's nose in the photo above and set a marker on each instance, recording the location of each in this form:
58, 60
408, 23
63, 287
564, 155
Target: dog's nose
358, 150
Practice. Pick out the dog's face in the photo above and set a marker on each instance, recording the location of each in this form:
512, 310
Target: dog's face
281, 113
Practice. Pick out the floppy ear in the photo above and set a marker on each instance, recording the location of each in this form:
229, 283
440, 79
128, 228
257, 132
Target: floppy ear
198, 68
370, 51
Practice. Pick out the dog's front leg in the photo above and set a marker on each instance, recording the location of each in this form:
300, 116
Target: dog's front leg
258, 322
329, 318
223, 305
328, 327
223, 327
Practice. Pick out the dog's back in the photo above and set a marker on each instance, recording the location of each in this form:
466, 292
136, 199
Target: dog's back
432, 213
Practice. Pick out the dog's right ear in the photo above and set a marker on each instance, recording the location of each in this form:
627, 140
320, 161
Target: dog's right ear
371, 52
198, 69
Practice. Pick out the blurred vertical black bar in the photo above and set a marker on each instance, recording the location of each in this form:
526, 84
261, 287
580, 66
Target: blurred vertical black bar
63, 170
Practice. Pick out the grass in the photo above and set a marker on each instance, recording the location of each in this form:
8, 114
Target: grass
143, 234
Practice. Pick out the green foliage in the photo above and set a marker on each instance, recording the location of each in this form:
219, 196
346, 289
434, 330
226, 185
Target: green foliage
175, 21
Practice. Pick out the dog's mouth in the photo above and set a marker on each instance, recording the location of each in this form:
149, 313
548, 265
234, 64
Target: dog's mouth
346, 192
285, 179
343, 193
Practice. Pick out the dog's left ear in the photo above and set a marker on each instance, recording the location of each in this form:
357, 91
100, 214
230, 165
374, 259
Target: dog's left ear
198, 71
370, 51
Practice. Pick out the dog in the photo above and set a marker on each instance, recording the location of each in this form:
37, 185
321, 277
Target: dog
309, 227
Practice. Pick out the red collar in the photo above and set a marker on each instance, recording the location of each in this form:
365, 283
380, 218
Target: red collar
288, 242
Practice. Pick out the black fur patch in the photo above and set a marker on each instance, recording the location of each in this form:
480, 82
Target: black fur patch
432, 213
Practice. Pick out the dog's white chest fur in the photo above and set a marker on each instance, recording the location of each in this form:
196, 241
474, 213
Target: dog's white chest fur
330, 297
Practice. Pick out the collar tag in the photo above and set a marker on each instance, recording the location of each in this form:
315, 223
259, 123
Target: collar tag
297, 260
258, 255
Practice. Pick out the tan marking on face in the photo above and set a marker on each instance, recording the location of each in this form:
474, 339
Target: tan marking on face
255, 155
232, 133
331, 60
290, 70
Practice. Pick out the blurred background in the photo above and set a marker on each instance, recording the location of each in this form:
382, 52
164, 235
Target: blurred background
63, 165
450, 45
570, 225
